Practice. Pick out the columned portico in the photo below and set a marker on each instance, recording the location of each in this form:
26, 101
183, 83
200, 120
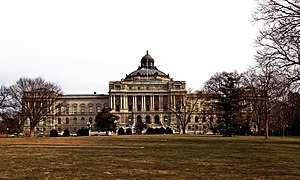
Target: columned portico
142, 94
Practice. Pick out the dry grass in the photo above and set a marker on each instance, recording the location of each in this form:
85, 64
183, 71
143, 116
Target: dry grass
163, 157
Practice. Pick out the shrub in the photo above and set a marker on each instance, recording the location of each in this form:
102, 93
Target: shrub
150, 131
82, 132
53, 133
121, 131
168, 130
128, 131
66, 133
161, 130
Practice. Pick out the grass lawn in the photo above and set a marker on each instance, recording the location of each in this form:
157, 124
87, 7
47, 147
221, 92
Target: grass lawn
150, 157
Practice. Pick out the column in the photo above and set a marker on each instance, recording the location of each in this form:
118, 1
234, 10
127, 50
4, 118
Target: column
121, 102
152, 102
125, 102
114, 102
111, 102
143, 103
134, 103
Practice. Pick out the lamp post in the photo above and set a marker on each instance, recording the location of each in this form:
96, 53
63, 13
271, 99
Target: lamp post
88, 124
166, 121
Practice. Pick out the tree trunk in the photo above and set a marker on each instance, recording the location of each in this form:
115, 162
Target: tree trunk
183, 126
31, 133
267, 129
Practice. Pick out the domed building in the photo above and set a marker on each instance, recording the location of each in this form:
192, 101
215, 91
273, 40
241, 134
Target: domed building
145, 95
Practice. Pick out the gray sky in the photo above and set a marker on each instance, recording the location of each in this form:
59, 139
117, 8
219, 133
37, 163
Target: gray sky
82, 45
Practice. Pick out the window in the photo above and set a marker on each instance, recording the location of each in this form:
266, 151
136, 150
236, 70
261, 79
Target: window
74, 109
139, 103
147, 98
177, 87
75, 120
98, 109
165, 102
67, 110
82, 110
90, 109
117, 103
59, 121
118, 87
130, 103
82, 120
156, 103
148, 120
196, 119
156, 119
59, 110
67, 121
204, 119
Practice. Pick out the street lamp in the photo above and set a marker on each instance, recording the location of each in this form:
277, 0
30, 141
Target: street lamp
89, 125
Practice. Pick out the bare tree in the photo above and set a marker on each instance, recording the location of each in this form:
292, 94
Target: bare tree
34, 98
279, 41
184, 107
3, 98
254, 98
265, 87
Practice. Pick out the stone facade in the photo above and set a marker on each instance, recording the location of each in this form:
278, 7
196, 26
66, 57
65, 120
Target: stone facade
146, 94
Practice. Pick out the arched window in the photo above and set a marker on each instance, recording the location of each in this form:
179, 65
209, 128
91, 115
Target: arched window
82, 120
91, 120
204, 119
148, 119
59, 121
156, 119
75, 120
196, 119
67, 120
139, 119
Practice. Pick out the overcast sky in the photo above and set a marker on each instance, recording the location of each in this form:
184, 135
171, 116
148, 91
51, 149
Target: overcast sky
82, 45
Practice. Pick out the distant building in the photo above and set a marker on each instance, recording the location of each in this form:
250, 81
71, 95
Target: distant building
146, 95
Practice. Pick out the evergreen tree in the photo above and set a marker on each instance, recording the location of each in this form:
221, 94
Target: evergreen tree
105, 121
225, 87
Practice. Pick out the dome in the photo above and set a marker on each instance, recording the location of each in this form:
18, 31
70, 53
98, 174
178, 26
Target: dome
147, 72
147, 61
147, 69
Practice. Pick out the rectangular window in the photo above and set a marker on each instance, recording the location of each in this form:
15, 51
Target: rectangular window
74, 110
118, 108
98, 109
139, 107
139, 103
165, 102
118, 87
147, 98
156, 103
130, 103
